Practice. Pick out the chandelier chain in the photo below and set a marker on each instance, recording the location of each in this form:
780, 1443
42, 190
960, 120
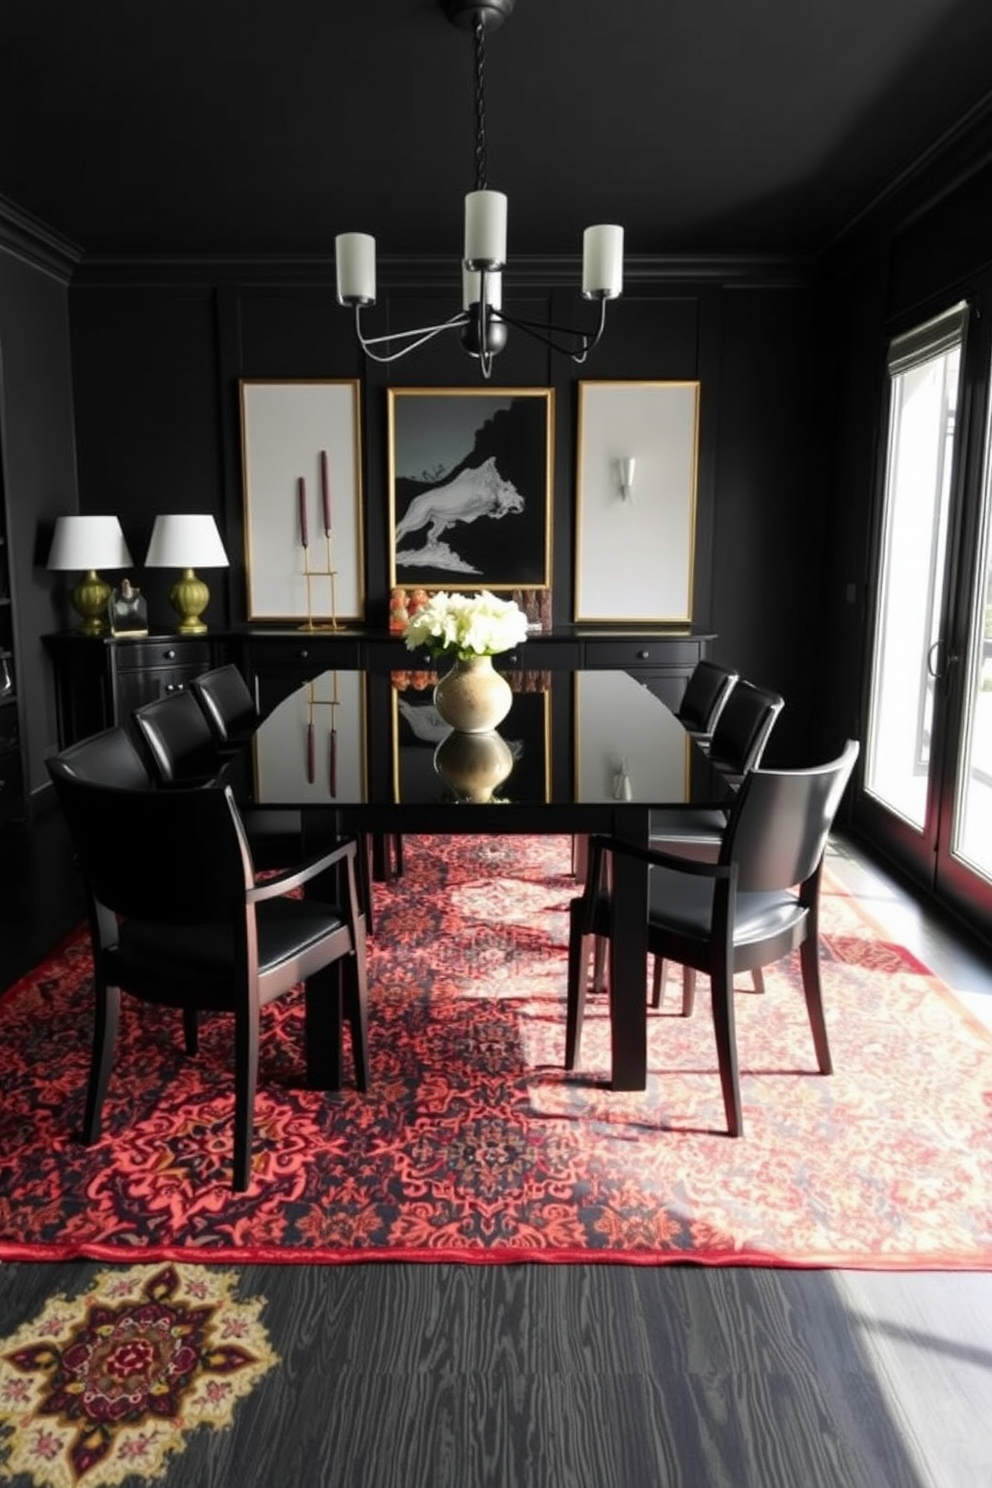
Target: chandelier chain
480, 104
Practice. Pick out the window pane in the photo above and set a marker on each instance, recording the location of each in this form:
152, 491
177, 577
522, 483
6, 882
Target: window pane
917, 490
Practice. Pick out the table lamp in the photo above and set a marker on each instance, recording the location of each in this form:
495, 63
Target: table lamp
187, 542
84, 544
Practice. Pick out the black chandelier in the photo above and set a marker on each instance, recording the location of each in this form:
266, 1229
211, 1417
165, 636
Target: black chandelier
482, 322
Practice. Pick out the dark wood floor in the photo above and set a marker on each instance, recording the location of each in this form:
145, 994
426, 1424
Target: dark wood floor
537, 1376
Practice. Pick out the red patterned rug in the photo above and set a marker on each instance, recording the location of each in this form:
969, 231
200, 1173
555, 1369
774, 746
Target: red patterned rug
474, 1144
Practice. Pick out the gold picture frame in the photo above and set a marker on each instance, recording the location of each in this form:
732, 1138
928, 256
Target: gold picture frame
636, 495
470, 487
303, 510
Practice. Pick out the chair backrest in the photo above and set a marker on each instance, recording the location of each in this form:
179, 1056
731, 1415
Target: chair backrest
706, 692
179, 740
226, 700
106, 758
743, 728
166, 857
780, 822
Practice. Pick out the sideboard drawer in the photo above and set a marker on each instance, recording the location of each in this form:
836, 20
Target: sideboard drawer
142, 656
679, 652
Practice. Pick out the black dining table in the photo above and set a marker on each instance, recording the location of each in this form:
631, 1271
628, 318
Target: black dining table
580, 751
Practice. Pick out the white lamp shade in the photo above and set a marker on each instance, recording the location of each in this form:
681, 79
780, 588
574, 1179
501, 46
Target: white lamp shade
185, 542
485, 230
81, 543
602, 261
354, 255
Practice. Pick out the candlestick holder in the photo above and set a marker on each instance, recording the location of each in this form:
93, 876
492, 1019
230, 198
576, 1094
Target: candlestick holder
331, 575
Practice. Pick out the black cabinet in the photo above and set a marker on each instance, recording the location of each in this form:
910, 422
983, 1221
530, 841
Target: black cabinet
99, 682
276, 662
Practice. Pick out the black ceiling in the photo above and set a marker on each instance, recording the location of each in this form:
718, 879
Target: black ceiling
266, 126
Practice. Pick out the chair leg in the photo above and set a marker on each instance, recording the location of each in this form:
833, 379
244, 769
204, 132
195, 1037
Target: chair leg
356, 997
106, 1018
759, 980
722, 979
396, 838
578, 961
191, 1030
323, 994
364, 869
599, 950
580, 854
246, 1025
688, 990
658, 981
809, 960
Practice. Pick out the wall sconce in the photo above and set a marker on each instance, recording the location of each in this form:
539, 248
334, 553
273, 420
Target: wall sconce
187, 542
82, 545
626, 466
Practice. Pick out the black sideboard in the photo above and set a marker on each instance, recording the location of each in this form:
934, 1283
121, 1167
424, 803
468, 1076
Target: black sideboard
99, 682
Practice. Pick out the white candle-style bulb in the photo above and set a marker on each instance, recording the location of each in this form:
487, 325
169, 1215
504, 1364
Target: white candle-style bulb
472, 289
355, 264
627, 477
602, 262
485, 230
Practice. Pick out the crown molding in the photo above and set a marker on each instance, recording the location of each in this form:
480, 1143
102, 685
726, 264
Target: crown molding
957, 154
34, 243
427, 273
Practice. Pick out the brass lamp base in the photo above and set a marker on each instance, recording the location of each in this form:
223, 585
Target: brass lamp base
189, 597
90, 598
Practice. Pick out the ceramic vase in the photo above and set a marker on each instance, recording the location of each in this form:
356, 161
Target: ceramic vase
473, 697
473, 765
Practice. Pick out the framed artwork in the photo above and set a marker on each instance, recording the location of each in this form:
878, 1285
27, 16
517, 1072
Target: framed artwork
470, 486
418, 729
302, 477
635, 522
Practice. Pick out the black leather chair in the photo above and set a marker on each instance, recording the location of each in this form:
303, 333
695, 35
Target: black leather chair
186, 747
755, 904
706, 693
184, 923
737, 745
227, 704
180, 743
107, 758
183, 751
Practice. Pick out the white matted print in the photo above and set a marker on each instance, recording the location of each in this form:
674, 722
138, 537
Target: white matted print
302, 471
635, 547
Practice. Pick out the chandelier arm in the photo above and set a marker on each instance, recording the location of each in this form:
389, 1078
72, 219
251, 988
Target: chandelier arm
422, 334
544, 333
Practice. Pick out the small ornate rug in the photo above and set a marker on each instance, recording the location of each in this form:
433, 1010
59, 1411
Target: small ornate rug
108, 1385
474, 1144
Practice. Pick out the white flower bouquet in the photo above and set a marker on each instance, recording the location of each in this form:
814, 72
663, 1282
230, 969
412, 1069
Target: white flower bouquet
461, 626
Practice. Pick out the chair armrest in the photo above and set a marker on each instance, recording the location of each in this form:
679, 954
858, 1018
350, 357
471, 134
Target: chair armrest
293, 878
657, 859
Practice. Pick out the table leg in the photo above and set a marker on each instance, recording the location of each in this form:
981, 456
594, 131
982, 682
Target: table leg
628, 958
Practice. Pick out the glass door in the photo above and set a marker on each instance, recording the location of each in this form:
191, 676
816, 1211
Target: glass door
927, 784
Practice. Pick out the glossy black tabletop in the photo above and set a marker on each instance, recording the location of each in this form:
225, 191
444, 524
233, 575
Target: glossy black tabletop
576, 747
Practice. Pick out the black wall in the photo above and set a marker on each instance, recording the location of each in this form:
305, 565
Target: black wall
39, 471
156, 367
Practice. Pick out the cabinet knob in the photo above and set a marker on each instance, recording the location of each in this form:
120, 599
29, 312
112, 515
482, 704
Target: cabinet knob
303, 654
644, 655
170, 654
